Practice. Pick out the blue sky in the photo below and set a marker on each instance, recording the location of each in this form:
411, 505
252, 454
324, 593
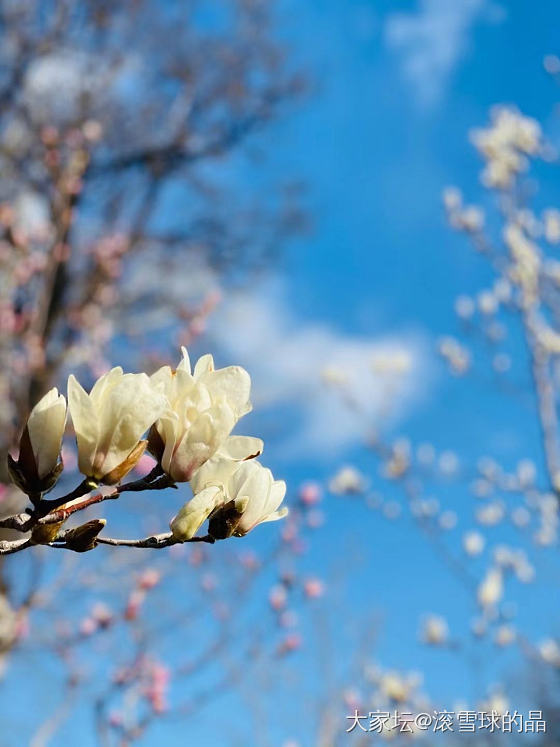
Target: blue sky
398, 87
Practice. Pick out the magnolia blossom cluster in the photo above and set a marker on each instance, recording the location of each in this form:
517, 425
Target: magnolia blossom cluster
505, 146
184, 417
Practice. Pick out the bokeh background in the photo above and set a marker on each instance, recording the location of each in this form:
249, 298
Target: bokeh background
263, 181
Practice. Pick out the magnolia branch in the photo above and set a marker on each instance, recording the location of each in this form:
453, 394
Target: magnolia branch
58, 510
156, 541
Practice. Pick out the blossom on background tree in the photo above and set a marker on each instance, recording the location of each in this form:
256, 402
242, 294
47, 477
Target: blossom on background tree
509, 327
108, 113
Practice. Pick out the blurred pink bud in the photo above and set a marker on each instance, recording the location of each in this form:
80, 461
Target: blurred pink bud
208, 582
290, 643
149, 578
277, 597
197, 326
160, 674
313, 588
134, 604
102, 615
88, 626
212, 300
49, 135
351, 698
115, 718
310, 493
22, 627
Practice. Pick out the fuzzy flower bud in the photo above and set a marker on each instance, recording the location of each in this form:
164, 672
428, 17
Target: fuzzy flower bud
38, 467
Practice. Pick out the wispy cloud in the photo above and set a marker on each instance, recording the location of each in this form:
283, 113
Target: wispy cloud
290, 359
432, 40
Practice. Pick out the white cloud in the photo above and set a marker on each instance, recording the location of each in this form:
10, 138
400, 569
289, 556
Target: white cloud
432, 40
287, 359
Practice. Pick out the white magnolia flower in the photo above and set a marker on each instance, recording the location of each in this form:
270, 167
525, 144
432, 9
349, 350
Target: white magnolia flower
218, 469
491, 589
205, 406
473, 543
435, 630
37, 467
347, 480
252, 496
110, 421
246, 494
550, 651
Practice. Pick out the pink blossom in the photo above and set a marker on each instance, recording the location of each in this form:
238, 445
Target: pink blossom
134, 604
277, 597
102, 615
88, 626
313, 588
292, 642
149, 578
310, 493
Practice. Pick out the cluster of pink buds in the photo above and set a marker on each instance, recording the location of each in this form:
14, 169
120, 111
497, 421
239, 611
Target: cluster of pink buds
157, 688
146, 582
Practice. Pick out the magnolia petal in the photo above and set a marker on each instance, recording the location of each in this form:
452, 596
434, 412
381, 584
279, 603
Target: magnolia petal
233, 384
160, 379
46, 424
240, 448
194, 513
204, 365
275, 515
215, 471
212, 427
104, 384
276, 494
121, 470
129, 409
84, 419
185, 364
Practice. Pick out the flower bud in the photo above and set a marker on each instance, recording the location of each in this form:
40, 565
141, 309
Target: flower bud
194, 513
38, 467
